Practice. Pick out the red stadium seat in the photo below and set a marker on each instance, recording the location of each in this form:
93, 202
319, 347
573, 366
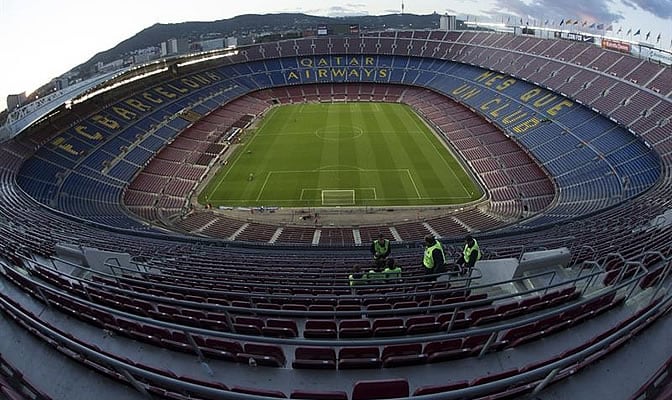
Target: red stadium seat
314, 358
385, 389
359, 357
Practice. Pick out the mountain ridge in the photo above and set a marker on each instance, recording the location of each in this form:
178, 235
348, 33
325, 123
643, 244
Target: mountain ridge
250, 25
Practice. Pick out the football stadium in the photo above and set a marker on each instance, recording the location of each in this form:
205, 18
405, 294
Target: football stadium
194, 228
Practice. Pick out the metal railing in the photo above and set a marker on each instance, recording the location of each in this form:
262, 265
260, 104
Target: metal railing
540, 376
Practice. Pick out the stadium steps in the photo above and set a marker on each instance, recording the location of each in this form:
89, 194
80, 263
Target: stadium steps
462, 224
206, 226
431, 230
357, 236
316, 237
396, 234
653, 78
239, 231
276, 235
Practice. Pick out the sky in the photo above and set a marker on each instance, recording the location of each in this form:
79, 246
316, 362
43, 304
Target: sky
42, 39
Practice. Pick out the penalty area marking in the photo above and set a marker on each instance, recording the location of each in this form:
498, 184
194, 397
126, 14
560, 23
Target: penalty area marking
414, 185
268, 175
371, 189
408, 172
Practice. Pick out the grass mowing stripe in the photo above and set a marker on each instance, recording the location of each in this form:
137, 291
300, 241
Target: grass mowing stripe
450, 164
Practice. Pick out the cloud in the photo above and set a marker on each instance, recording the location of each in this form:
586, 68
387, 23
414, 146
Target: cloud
659, 8
344, 10
588, 10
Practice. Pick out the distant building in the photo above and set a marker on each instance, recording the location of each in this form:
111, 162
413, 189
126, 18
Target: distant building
143, 58
116, 64
16, 100
245, 40
231, 41
212, 44
182, 46
172, 46
448, 22
61, 83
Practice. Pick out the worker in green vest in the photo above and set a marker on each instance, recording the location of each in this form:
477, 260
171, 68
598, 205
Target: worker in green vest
470, 254
376, 274
357, 277
392, 270
433, 259
380, 248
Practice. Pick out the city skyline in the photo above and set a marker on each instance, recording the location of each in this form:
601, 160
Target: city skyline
45, 39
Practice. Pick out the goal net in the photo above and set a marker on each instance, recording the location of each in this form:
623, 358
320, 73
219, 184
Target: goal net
345, 197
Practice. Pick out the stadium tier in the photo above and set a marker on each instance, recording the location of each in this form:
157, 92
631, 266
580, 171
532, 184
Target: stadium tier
594, 162
113, 279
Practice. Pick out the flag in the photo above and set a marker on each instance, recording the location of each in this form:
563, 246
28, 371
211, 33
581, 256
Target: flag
629, 32
576, 22
647, 35
508, 19
600, 26
620, 29
546, 22
637, 33
592, 26
610, 27
521, 21
568, 22
562, 22
584, 23
658, 38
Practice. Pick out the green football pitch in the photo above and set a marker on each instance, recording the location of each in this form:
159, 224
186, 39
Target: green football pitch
340, 154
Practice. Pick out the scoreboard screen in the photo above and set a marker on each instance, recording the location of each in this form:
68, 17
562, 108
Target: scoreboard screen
338, 29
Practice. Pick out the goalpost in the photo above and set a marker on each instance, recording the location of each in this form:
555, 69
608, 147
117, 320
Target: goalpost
341, 197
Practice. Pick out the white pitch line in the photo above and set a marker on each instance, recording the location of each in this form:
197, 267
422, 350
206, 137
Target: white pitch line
382, 199
268, 175
242, 150
415, 121
414, 185
338, 170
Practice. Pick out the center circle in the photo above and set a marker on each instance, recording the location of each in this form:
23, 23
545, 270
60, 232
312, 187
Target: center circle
338, 132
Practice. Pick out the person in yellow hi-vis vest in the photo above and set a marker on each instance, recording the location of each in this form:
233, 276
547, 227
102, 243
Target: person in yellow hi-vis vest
392, 269
380, 248
357, 278
433, 259
470, 254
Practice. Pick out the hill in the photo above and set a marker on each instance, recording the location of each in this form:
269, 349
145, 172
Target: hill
254, 25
